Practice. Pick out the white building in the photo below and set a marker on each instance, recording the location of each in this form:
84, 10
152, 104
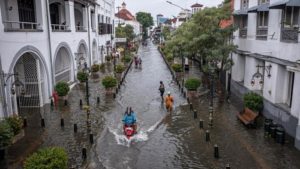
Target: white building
124, 17
267, 59
47, 41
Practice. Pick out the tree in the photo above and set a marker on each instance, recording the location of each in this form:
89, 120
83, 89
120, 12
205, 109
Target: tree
125, 32
203, 38
166, 33
146, 20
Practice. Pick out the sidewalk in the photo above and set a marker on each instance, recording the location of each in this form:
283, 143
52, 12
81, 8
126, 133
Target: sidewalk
239, 146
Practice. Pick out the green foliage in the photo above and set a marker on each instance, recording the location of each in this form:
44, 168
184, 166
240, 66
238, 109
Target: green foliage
120, 68
202, 36
62, 88
169, 58
125, 32
82, 76
192, 83
95, 68
253, 101
6, 134
16, 123
126, 59
109, 82
108, 58
145, 19
102, 67
177, 67
48, 158
166, 33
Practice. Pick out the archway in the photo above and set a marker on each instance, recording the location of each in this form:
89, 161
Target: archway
63, 65
81, 56
28, 88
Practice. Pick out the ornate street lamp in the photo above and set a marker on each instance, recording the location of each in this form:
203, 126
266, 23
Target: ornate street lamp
259, 75
87, 70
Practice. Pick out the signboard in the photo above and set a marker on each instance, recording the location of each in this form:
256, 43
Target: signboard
120, 40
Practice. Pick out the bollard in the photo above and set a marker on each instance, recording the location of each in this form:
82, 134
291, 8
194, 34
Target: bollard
267, 127
182, 90
98, 99
43, 122
195, 114
191, 106
227, 166
188, 100
207, 136
273, 130
66, 102
80, 102
280, 135
184, 94
51, 103
62, 122
216, 151
91, 138
75, 128
116, 90
24, 122
179, 86
119, 86
84, 153
201, 124
114, 95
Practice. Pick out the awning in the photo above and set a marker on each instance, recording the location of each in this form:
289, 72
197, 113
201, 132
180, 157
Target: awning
240, 12
259, 8
280, 4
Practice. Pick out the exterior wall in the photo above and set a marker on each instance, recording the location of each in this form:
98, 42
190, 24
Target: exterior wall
274, 88
14, 44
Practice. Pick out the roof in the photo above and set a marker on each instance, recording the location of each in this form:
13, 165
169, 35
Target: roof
125, 14
282, 3
197, 5
162, 20
262, 7
159, 15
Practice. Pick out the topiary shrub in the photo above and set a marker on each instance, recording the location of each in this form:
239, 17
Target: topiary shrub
62, 88
95, 68
16, 123
109, 82
102, 67
253, 101
177, 67
82, 76
108, 58
192, 84
48, 158
120, 68
126, 59
169, 58
6, 134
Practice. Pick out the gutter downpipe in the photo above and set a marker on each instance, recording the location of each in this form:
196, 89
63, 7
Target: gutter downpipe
89, 34
50, 46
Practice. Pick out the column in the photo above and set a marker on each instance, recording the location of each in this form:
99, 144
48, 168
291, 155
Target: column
69, 14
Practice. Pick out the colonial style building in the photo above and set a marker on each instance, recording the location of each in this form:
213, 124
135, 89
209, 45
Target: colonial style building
267, 59
43, 42
124, 17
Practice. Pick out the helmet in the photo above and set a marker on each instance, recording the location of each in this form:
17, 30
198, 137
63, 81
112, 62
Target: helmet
169, 92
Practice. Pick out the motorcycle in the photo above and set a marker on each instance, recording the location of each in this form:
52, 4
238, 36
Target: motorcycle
129, 130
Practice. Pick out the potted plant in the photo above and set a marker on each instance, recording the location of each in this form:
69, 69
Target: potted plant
109, 82
169, 58
126, 59
82, 76
16, 124
52, 158
178, 70
6, 135
119, 70
62, 89
94, 69
192, 84
253, 101
102, 67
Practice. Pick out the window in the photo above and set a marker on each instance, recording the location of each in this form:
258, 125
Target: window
263, 2
291, 17
244, 4
26, 10
290, 89
262, 19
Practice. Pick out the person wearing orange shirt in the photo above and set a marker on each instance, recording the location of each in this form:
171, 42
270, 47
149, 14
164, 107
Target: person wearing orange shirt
169, 102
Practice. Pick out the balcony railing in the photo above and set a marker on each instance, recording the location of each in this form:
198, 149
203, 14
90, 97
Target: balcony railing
289, 35
81, 29
262, 33
21, 26
243, 32
60, 28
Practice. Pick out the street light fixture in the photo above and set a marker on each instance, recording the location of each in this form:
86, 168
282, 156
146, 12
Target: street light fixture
87, 70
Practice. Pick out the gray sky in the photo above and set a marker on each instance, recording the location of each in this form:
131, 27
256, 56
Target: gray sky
161, 6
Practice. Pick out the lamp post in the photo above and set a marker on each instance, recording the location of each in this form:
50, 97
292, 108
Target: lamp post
86, 69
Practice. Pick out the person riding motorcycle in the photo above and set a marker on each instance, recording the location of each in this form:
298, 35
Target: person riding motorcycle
129, 118
169, 102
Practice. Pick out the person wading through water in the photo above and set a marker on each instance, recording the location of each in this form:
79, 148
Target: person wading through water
169, 102
162, 90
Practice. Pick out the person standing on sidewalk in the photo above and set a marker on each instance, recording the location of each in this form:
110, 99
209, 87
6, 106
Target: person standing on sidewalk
162, 90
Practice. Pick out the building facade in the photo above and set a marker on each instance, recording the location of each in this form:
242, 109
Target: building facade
45, 42
267, 59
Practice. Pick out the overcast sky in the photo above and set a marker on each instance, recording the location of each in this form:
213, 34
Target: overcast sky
162, 7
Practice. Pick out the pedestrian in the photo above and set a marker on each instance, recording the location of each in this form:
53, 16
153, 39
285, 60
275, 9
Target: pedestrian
136, 61
140, 62
162, 90
169, 102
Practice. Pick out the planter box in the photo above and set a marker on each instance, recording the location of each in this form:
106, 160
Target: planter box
118, 76
179, 75
192, 93
18, 136
95, 75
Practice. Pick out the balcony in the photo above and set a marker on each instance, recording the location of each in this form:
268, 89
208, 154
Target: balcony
17, 26
60, 28
289, 35
262, 33
243, 33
